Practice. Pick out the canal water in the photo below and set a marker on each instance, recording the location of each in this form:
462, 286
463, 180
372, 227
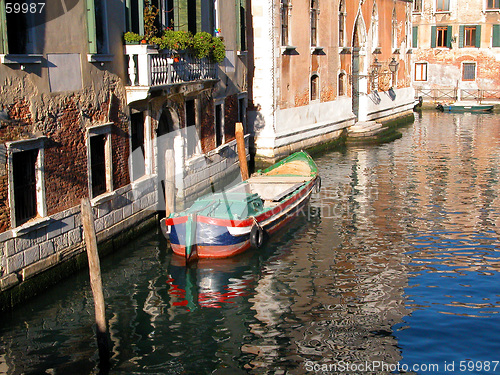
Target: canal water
394, 268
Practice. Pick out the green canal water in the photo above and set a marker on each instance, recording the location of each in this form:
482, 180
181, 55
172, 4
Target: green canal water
393, 269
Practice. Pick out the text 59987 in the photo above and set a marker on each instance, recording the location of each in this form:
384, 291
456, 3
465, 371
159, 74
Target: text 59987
18, 7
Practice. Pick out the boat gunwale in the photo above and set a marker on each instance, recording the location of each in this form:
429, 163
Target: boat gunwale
239, 223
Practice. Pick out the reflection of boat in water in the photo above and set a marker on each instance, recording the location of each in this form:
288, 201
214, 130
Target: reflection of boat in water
464, 107
213, 283
210, 283
227, 223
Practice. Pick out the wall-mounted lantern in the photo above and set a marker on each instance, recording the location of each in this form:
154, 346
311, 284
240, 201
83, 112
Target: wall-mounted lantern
393, 67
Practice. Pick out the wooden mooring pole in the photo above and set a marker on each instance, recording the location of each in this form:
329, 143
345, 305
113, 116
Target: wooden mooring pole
96, 282
240, 146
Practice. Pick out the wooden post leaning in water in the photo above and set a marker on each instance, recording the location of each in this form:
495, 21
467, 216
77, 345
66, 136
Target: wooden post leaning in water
240, 146
169, 182
95, 280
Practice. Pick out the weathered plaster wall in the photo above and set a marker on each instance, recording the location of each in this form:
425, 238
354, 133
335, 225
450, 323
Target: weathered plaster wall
444, 69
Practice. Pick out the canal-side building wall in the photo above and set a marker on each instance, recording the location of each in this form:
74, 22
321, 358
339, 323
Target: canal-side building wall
72, 119
316, 61
193, 114
456, 49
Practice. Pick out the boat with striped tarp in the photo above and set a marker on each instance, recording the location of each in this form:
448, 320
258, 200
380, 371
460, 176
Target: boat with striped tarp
227, 223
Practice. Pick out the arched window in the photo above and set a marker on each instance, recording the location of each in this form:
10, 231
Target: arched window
342, 15
374, 27
314, 87
341, 84
394, 29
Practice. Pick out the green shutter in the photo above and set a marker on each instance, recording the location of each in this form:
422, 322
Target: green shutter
478, 36
91, 27
496, 36
448, 36
433, 36
461, 33
238, 24
415, 37
3, 29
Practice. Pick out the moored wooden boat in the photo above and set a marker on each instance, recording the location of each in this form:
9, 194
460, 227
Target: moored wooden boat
465, 107
227, 223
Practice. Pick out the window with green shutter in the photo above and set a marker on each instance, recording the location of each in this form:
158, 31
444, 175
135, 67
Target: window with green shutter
3, 28
241, 24
493, 4
441, 37
415, 37
469, 36
97, 27
496, 36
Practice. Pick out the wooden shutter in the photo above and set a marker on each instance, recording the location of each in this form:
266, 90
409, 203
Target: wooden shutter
461, 36
433, 36
448, 36
478, 36
415, 37
3, 29
496, 36
91, 27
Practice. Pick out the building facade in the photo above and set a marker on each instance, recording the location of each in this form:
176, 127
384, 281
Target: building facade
456, 49
320, 67
83, 115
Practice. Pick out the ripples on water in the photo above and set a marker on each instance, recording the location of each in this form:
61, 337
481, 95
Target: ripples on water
396, 261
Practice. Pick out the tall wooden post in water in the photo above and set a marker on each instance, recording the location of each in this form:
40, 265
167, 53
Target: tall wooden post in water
240, 146
95, 282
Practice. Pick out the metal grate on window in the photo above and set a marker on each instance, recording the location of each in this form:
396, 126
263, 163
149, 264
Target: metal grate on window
469, 72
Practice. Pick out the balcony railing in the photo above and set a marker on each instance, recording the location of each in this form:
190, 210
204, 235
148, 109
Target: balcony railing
149, 67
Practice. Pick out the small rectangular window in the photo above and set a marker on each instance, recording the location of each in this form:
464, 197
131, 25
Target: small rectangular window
442, 36
314, 22
417, 5
341, 84
138, 145
468, 71
24, 176
421, 72
493, 4
284, 22
314, 87
98, 164
442, 5
219, 125
470, 36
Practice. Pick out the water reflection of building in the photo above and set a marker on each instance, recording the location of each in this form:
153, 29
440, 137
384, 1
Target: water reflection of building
337, 293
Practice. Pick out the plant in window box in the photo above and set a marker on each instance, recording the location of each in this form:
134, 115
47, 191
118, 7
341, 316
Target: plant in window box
174, 40
132, 38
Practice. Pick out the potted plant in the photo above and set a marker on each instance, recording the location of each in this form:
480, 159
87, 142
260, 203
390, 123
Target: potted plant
132, 38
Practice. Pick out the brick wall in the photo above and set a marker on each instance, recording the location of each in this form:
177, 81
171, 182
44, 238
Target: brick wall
63, 120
